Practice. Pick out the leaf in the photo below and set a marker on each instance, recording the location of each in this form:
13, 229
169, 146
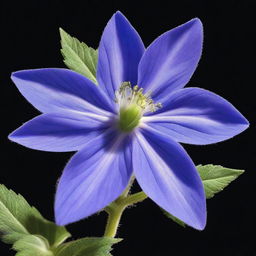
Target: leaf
87, 247
78, 56
32, 245
215, 178
18, 219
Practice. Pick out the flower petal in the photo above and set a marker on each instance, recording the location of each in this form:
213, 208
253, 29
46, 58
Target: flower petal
170, 61
198, 116
64, 132
51, 89
120, 51
93, 178
168, 176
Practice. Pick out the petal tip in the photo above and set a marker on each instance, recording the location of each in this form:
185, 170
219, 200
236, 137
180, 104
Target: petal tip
200, 227
15, 75
243, 123
246, 123
12, 136
22, 75
244, 127
195, 22
119, 16
18, 74
201, 224
118, 13
200, 218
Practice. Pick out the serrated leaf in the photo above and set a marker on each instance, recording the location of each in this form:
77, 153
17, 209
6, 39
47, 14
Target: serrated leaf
87, 247
215, 178
78, 56
18, 219
32, 245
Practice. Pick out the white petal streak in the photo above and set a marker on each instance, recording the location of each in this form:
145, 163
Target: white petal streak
83, 105
168, 176
94, 177
164, 170
178, 119
102, 167
104, 118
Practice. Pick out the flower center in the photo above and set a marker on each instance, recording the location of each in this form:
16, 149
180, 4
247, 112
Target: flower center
132, 105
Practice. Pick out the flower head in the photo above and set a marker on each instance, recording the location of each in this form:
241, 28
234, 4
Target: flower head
131, 124
132, 105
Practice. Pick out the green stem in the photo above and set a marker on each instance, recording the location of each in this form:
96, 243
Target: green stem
114, 217
128, 188
116, 209
135, 198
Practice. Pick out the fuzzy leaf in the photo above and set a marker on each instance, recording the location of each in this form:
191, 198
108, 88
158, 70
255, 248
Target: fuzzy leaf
78, 56
215, 178
87, 247
18, 219
32, 245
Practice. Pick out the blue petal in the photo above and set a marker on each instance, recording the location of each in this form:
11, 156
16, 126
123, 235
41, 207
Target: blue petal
64, 132
120, 51
51, 90
168, 176
170, 61
93, 178
197, 116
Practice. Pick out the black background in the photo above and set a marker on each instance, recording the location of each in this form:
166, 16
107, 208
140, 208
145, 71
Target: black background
29, 39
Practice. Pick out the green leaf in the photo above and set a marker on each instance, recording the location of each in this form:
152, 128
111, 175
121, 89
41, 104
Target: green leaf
32, 245
215, 178
18, 219
87, 247
78, 56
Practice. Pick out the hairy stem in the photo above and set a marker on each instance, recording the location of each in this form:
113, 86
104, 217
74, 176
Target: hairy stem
128, 188
135, 198
116, 209
114, 217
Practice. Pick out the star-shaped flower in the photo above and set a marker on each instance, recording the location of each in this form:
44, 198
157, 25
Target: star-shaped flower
130, 124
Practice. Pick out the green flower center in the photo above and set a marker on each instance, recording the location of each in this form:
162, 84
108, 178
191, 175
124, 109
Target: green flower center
133, 103
129, 118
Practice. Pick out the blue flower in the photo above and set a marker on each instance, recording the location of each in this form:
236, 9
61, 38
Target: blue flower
131, 124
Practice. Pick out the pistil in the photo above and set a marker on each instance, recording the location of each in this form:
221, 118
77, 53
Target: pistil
133, 103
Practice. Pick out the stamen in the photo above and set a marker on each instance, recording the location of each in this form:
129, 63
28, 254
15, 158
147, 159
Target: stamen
127, 95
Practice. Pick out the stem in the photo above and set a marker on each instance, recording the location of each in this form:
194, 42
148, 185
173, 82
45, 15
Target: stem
135, 198
116, 209
128, 188
114, 217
